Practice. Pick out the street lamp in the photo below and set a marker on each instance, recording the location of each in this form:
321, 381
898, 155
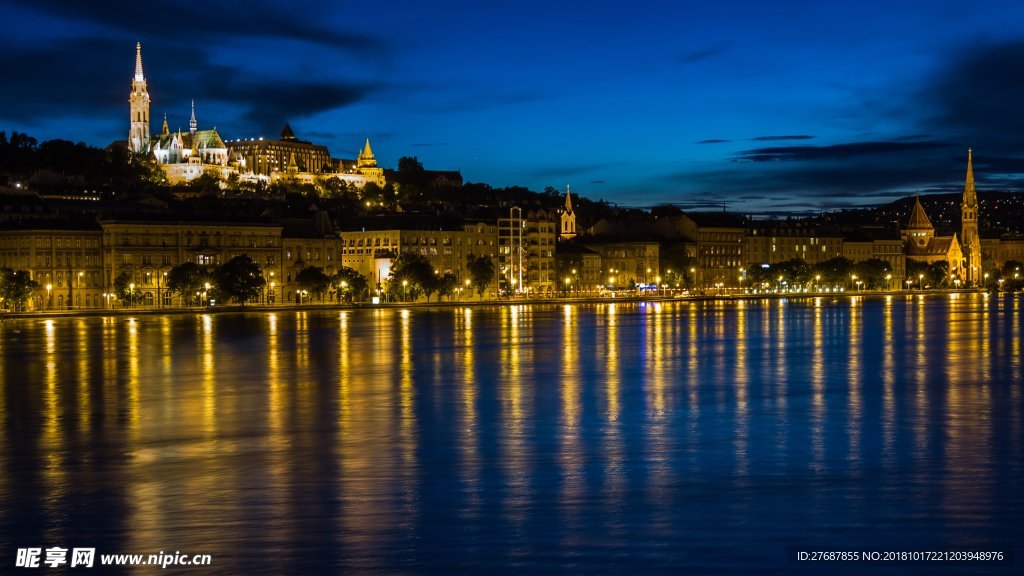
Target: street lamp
131, 295
49, 304
888, 281
920, 281
405, 284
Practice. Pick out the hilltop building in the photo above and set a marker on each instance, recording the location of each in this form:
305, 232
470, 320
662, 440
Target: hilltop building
265, 157
186, 156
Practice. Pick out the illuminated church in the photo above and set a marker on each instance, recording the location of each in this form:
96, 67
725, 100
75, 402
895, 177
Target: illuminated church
182, 156
962, 254
185, 156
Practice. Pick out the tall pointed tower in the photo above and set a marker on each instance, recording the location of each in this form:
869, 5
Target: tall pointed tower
972, 272
138, 101
365, 158
366, 165
192, 124
568, 217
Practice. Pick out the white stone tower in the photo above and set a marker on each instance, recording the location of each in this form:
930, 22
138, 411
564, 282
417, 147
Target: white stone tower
138, 100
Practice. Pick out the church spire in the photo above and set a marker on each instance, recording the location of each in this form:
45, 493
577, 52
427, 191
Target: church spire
970, 241
970, 195
139, 76
165, 131
568, 199
192, 124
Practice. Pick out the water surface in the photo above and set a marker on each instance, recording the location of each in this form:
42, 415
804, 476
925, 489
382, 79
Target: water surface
607, 438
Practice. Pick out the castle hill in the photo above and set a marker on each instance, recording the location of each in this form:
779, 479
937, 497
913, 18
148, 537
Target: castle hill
174, 218
434, 288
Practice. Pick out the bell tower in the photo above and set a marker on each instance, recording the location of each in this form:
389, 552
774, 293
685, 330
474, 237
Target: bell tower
138, 101
972, 272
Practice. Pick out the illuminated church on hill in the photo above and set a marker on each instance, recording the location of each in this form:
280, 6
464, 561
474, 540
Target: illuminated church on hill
185, 156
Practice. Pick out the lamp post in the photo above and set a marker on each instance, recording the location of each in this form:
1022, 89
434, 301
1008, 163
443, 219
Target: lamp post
568, 283
49, 304
405, 285
131, 295
466, 282
920, 281
888, 282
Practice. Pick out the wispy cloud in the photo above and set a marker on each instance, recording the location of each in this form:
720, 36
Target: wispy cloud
788, 137
844, 151
703, 54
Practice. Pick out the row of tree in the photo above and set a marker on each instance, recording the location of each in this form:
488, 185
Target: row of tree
413, 275
873, 274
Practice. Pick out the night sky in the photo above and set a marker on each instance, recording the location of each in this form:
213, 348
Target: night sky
751, 105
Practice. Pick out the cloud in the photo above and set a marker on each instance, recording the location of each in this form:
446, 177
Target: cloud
429, 144
175, 74
978, 95
844, 151
774, 138
704, 54
712, 141
196, 24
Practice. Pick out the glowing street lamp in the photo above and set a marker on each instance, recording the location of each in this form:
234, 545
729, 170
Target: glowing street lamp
49, 287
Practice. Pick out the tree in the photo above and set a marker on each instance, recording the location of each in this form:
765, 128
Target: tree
16, 287
349, 284
187, 279
125, 290
411, 274
481, 272
313, 280
794, 271
872, 272
834, 271
239, 278
446, 284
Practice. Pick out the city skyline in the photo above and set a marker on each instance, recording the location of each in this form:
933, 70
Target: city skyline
806, 108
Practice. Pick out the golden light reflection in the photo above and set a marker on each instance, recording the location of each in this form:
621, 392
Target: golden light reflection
134, 357
920, 392
275, 410
741, 381
344, 371
51, 446
82, 369
855, 400
570, 447
888, 385
209, 373
613, 450
817, 394
469, 471
513, 442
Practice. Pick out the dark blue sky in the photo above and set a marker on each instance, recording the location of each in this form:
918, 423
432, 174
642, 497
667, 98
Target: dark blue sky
767, 106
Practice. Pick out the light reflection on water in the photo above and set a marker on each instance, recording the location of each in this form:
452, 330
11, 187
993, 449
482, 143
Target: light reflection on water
652, 438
